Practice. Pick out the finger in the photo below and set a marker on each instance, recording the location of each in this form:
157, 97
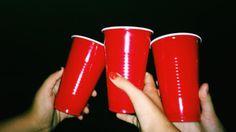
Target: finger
56, 87
80, 117
86, 110
158, 92
209, 119
51, 81
149, 82
189, 127
125, 85
70, 116
157, 83
61, 115
94, 93
128, 118
151, 91
205, 99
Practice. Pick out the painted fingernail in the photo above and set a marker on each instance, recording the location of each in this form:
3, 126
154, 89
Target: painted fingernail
113, 75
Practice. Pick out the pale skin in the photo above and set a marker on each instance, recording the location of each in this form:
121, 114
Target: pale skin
147, 103
149, 112
41, 116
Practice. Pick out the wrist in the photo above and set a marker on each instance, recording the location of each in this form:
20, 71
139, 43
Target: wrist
35, 122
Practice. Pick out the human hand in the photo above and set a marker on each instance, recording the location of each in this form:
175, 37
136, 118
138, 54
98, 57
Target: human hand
42, 116
147, 104
42, 111
209, 121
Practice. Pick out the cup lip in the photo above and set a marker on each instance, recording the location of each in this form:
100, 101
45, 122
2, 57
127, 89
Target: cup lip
127, 27
175, 34
87, 38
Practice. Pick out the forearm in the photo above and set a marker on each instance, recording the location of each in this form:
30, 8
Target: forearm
21, 123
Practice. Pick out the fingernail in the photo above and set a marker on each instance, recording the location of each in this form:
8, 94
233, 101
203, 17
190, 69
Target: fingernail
61, 68
207, 90
80, 117
157, 83
113, 75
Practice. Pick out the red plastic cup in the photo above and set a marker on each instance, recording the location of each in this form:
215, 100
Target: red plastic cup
176, 64
126, 52
85, 63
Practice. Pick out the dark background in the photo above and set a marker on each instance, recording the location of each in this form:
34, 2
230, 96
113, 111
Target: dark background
35, 39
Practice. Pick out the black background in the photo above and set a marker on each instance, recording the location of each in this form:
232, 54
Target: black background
36, 36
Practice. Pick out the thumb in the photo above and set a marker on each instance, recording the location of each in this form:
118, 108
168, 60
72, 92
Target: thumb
151, 91
205, 99
52, 80
209, 119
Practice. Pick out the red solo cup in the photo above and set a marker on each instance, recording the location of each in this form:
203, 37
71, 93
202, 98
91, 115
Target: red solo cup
126, 52
176, 63
85, 64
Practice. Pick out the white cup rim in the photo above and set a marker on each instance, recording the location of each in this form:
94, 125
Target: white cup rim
127, 27
176, 34
87, 38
